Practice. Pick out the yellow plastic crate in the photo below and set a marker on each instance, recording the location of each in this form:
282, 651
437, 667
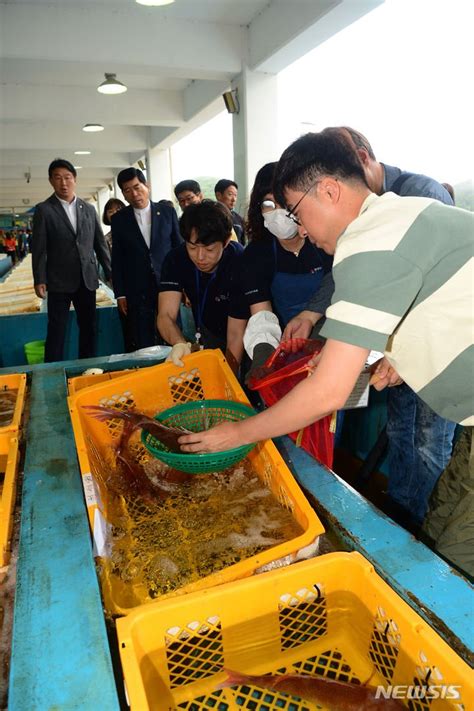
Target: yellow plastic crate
9, 459
16, 382
80, 382
206, 375
331, 616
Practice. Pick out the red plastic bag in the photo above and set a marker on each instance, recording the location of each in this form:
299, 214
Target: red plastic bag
282, 371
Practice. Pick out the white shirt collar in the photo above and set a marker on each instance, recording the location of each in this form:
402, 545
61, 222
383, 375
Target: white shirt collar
143, 218
142, 210
65, 202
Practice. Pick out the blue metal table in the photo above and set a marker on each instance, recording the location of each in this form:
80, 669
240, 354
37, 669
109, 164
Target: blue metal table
60, 655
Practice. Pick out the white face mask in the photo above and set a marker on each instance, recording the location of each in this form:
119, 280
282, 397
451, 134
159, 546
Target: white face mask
279, 224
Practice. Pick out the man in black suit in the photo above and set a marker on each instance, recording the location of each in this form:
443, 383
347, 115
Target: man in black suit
66, 239
142, 235
226, 192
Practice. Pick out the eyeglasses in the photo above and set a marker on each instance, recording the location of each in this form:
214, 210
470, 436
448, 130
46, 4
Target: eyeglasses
291, 213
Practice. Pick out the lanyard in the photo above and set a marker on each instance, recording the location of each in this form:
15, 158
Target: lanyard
201, 304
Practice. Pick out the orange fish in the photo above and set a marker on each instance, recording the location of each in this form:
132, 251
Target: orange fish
333, 695
138, 420
132, 472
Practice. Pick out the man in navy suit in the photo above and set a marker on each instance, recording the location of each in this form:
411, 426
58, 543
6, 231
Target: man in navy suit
142, 235
66, 240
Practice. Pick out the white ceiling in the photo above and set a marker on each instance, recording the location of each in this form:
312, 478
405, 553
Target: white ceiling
231, 12
175, 60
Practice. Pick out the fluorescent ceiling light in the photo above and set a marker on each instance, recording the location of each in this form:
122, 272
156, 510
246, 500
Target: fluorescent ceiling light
111, 85
154, 3
82, 153
78, 167
92, 127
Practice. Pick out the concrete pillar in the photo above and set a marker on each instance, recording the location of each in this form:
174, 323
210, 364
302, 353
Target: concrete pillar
255, 128
158, 168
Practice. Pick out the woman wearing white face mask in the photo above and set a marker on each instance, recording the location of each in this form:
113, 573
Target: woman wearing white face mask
281, 269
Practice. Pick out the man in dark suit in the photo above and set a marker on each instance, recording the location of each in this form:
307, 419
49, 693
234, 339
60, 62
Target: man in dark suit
226, 192
142, 235
66, 239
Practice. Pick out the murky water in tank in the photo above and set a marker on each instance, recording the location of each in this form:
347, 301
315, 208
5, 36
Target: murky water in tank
190, 530
7, 406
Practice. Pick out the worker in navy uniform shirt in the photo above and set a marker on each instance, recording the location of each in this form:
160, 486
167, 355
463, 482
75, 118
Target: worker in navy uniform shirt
205, 268
281, 270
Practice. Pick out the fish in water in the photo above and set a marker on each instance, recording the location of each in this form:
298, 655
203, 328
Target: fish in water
138, 420
132, 471
128, 477
333, 695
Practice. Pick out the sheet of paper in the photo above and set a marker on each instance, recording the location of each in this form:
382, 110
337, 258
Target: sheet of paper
91, 491
101, 535
359, 397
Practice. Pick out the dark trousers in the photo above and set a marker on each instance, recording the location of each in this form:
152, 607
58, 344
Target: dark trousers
141, 315
58, 312
127, 332
12, 255
450, 519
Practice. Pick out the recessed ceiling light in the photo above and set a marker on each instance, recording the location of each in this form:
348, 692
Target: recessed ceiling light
154, 3
92, 127
78, 167
82, 153
111, 85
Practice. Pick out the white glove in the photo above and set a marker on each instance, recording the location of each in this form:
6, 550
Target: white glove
178, 352
262, 327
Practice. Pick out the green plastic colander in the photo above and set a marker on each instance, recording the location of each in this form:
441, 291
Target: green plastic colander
196, 416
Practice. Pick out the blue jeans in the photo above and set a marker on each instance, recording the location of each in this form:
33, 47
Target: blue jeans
420, 445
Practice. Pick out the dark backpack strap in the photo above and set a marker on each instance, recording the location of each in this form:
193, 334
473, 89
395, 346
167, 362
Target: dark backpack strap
397, 185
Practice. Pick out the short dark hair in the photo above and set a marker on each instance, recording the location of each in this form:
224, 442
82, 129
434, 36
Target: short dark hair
110, 203
314, 156
61, 163
254, 228
168, 203
355, 137
222, 185
128, 174
211, 220
191, 185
